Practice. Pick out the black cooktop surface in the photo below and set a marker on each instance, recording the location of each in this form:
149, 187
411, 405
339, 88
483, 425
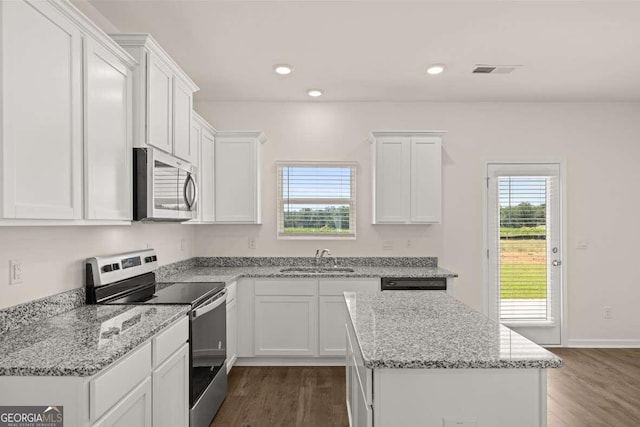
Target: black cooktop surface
186, 293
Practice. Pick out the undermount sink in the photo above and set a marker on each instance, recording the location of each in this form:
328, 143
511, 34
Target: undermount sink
317, 270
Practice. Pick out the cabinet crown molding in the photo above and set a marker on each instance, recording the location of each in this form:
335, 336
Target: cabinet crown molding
147, 41
202, 122
406, 133
259, 135
88, 27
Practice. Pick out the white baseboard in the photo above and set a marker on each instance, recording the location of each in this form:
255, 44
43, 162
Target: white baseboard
603, 343
290, 361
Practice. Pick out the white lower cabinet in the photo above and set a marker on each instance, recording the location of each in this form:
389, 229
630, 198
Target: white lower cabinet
332, 311
147, 387
294, 317
359, 384
171, 391
232, 325
286, 317
133, 410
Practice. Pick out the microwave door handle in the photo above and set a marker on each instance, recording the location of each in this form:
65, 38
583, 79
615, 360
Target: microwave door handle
209, 307
195, 191
185, 193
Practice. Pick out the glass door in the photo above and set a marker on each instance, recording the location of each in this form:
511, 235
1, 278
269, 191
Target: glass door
523, 249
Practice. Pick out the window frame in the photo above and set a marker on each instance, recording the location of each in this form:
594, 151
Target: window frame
281, 201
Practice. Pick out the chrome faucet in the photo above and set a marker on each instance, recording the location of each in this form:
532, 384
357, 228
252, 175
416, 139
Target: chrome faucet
321, 254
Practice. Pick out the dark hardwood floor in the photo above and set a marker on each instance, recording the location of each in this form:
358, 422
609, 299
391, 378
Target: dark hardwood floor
595, 388
284, 396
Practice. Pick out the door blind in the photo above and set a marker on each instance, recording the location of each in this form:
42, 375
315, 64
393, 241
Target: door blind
522, 246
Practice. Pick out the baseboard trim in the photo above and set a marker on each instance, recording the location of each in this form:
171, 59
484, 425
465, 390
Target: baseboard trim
290, 361
603, 343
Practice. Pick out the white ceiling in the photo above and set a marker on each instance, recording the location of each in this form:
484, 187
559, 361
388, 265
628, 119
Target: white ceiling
379, 50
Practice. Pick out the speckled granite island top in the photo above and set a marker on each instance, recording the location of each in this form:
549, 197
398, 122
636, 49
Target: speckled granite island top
430, 329
83, 341
229, 274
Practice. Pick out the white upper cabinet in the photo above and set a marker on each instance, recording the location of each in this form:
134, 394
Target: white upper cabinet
108, 134
183, 146
407, 177
238, 170
162, 98
159, 104
41, 145
204, 135
65, 146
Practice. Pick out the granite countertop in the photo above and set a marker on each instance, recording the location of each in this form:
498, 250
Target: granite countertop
230, 274
83, 341
430, 329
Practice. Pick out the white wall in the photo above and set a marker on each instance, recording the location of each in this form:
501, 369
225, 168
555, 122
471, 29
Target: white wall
600, 143
53, 257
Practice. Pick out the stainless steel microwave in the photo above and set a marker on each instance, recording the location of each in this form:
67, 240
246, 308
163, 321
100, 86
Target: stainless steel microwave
164, 187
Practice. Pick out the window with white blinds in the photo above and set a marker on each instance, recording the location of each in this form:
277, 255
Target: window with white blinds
316, 200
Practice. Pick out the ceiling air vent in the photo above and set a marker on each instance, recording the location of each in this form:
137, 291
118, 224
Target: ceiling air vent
494, 69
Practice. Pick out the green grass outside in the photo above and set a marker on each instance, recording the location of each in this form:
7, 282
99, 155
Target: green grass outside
523, 281
523, 231
523, 267
306, 230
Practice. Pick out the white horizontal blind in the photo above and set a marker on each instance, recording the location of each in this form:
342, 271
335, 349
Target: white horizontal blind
316, 200
523, 248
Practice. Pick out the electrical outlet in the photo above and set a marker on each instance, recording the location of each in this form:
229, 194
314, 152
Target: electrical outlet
387, 245
408, 243
183, 244
582, 245
15, 272
607, 313
252, 242
459, 422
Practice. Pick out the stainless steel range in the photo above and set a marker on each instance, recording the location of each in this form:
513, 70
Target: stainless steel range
129, 278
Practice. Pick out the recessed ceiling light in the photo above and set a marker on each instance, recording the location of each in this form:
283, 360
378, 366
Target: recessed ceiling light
283, 69
435, 69
315, 92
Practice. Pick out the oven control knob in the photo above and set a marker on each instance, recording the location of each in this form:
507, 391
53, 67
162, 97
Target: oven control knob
107, 268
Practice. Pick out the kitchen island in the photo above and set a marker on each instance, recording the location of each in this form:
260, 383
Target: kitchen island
424, 358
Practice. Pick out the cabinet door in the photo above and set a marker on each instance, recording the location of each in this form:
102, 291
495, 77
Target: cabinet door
236, 188
392, 180
207, 193
232, 333
133, 410
107, 135
41, 119
159, 104
184, 146
171, 391
285, 325
426, 180
332, 321
196, 136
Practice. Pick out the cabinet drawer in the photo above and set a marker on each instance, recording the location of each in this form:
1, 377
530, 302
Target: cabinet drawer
232, 289
171, 339
108, 388
337, 287
286, 287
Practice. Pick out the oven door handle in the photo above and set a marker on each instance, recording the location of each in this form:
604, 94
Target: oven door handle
204, 309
